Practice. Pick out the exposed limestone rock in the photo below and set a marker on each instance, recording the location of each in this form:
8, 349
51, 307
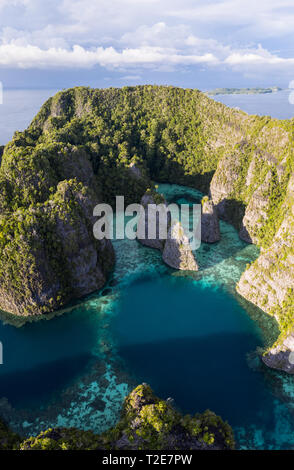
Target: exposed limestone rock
256, 211
222, 188
150, 218
243, 184
135, 171
75, 163
177, 252
210, 231
281, 356
269, 283
251, 172
253, 188
249, 158
147, 423
175, 247
88, 260
72, 265
281, 169
270, 278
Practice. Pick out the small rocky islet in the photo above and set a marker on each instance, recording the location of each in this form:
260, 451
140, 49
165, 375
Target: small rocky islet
147, 423
76, 154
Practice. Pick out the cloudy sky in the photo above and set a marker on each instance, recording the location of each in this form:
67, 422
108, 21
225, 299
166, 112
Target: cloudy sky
190, 43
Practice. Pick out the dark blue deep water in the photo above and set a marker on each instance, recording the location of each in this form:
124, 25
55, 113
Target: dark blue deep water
189, 336
191, 344
43, 357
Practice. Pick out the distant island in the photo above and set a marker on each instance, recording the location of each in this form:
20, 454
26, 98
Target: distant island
243, 91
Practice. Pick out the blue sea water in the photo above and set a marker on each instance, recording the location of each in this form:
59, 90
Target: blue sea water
20, 106
190, 337
18, 109
191, 345
276, 104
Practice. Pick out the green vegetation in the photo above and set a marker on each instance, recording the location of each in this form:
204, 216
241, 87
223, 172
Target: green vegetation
80, 150
63, 439
90, 140
8, 439
147, 423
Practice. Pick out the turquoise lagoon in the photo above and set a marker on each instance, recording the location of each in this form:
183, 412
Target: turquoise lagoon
191, 337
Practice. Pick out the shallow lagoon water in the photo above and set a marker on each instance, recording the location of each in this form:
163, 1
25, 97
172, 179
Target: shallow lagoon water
189, 336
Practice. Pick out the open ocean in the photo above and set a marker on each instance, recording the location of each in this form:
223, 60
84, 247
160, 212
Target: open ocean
20, 106
189, 337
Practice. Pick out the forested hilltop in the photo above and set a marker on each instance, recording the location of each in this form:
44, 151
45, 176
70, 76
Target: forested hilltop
147, 423
80, 150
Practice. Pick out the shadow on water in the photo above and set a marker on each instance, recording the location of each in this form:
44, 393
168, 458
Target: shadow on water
232, 211
184, 199
175, 175
39, 384
188, 339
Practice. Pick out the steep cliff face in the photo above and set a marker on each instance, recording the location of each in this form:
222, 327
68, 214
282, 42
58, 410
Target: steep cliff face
172, 242
177, 252
250, 183
147, 423
269, 283
272, 273
253, 189
148, 219
49, 187
49, 254
210, 231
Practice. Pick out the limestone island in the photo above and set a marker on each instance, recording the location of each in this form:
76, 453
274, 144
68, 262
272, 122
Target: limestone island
86, 146
243, 91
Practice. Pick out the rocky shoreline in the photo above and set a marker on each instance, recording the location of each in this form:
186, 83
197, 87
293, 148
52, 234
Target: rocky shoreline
72, 157
175, 248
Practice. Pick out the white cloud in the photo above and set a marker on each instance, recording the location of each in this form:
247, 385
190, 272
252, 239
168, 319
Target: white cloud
238, 58
28, 56
180, 37
163, 58
259, 60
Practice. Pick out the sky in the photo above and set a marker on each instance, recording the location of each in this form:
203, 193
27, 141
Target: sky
190, 43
